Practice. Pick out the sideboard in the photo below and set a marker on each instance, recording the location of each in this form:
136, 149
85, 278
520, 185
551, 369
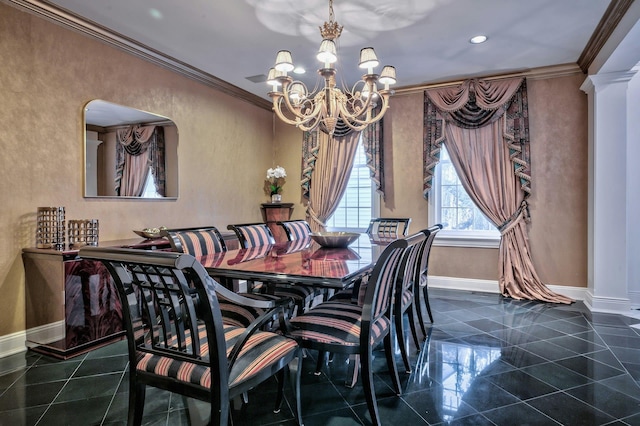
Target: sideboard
72, 305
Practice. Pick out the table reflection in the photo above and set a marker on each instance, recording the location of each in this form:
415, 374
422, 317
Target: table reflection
300, 261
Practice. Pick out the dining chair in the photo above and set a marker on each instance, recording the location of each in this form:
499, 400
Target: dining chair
203, 241
198, 241
177, 340
421, 280
253, 234
348, 328
258, 234
403, 302
299, 230
295, 229
387, 227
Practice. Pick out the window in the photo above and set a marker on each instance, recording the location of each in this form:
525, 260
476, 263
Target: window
357, 205
149, 190
449, 204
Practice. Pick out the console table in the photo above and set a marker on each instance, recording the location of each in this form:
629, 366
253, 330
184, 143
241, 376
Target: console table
72, 305
274, 212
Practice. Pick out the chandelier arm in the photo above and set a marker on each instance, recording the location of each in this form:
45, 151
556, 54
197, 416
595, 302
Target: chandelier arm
357, 124
316, 102
300, 119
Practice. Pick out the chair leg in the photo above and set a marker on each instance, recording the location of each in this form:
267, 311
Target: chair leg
400, 338
417, 292
352, 371
295, 372
412, 326
321, 356
368, 387
391, 363
136, 402
280, 394
426, 302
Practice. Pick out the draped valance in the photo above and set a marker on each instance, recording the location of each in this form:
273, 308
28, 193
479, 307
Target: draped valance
474, 104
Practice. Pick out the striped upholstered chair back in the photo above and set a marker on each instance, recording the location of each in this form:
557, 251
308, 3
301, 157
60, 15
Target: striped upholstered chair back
253, 234
259, 235
196, 241
420, 278
295, 229
386, 227
177, 339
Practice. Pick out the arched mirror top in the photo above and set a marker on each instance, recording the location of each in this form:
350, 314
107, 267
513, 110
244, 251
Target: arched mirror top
129, 153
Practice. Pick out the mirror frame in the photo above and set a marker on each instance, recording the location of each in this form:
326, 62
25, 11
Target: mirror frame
104, 117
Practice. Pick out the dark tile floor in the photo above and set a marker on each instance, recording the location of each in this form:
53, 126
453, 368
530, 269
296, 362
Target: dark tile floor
488, 361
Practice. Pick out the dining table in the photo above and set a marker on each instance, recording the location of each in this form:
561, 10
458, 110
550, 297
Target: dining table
303, 262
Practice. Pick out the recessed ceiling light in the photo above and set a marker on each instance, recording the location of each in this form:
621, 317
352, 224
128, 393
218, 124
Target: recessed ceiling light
478, 39
155, 13
299, 70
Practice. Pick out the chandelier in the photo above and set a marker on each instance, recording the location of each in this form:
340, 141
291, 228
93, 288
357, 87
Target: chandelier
325, 106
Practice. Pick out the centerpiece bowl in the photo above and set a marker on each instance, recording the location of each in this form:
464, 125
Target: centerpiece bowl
334, 239
151, 233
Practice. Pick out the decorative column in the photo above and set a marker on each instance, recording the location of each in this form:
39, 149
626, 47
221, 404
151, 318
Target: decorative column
609, 192
274, 212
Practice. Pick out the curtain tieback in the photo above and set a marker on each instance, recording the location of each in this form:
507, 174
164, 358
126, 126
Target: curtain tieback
520, 214
315, 218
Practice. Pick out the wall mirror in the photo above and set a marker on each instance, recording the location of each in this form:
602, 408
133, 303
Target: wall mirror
129, 153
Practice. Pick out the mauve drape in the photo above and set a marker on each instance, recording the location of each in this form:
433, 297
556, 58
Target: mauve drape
330, 176
492, 163
139, 148
482, 161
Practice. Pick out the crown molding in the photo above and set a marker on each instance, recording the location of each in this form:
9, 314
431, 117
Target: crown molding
89, 28
608, 23
540, 73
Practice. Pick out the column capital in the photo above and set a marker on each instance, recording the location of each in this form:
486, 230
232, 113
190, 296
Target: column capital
599, 81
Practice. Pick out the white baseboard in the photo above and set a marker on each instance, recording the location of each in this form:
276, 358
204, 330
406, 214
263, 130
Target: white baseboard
491, 286
14, 343
614, 305
634, 299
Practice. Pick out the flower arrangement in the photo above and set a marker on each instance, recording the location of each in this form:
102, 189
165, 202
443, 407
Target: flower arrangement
275, 180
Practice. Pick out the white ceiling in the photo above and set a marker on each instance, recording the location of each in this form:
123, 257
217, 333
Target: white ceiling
426, 40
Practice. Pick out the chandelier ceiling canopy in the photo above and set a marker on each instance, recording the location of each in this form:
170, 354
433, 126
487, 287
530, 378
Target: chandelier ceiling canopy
327, 103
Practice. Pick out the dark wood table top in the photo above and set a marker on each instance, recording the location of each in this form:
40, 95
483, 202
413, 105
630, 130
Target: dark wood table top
302, 262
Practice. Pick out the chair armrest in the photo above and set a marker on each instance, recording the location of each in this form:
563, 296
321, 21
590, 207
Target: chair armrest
252, 328
238, 299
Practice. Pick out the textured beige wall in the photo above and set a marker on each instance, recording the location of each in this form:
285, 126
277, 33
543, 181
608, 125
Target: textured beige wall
558, 205
47, 74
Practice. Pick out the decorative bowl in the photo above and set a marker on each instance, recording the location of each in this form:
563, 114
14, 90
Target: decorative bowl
334, 239
150, 233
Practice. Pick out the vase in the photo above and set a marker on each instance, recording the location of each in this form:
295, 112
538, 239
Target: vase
276, 198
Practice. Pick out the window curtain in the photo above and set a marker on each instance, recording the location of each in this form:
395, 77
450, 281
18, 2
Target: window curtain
326, 168
485, 127
139, 148
372, 140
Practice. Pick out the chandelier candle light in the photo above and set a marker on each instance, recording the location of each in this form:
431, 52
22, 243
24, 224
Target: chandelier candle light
323, 107
275, 180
